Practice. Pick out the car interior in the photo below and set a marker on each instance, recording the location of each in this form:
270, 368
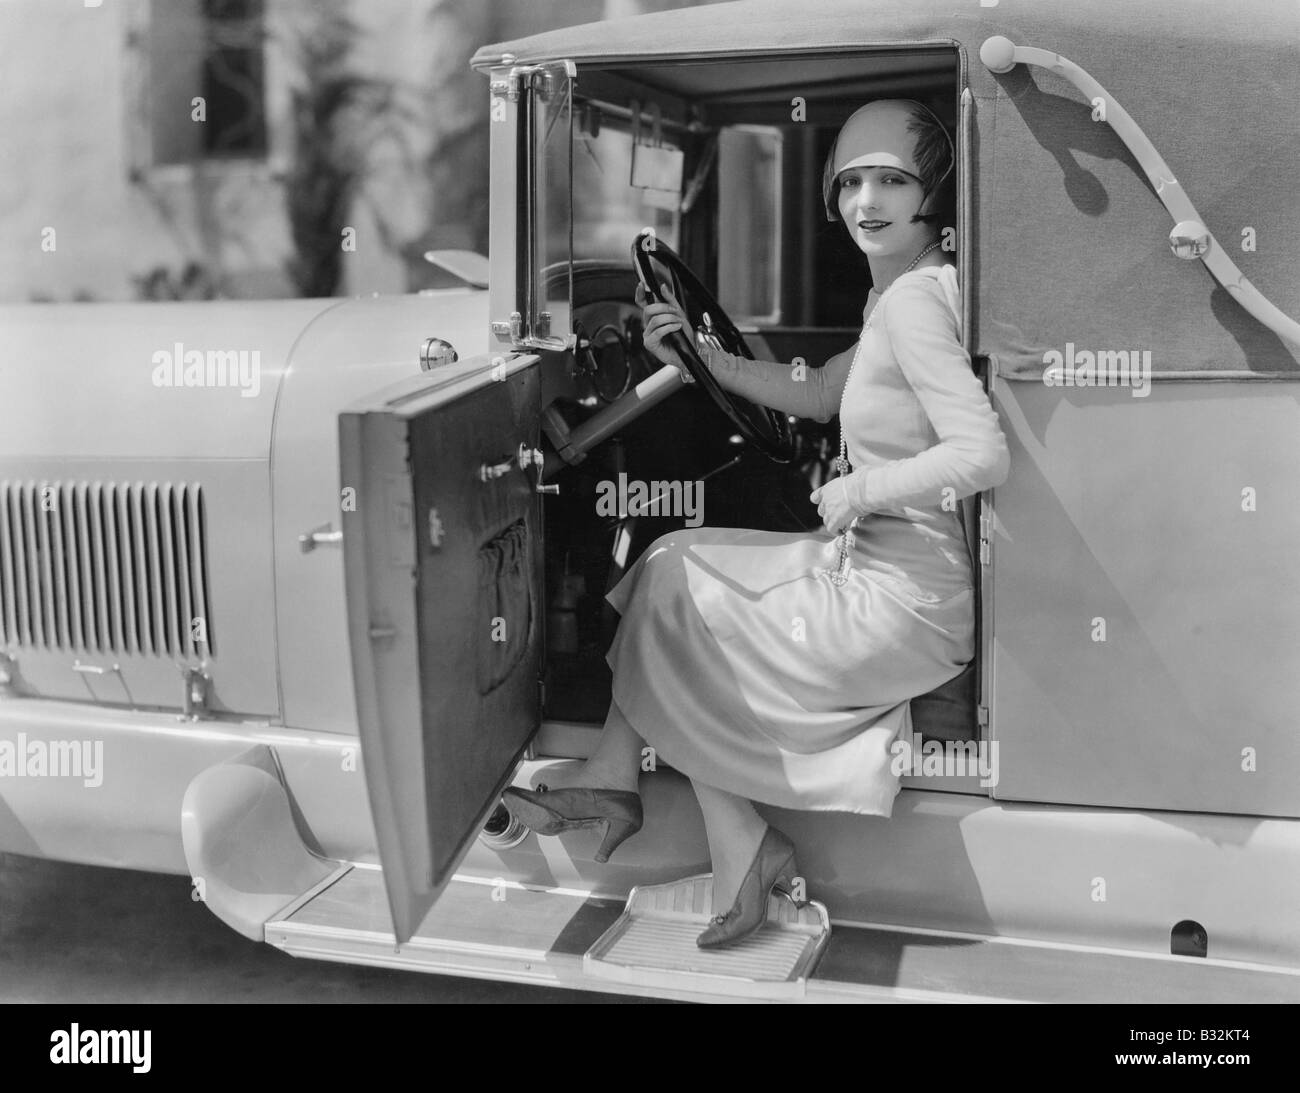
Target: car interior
721, 162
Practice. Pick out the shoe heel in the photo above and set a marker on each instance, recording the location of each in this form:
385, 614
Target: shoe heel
785, 879
615, 832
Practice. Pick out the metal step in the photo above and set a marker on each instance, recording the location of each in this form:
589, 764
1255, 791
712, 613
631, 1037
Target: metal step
489, 928
653, 943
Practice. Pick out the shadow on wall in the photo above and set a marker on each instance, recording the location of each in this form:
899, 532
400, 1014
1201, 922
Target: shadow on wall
193, 283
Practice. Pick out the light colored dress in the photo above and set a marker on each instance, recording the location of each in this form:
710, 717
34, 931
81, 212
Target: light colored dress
740, 662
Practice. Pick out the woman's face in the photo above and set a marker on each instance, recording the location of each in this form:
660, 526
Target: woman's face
877, 205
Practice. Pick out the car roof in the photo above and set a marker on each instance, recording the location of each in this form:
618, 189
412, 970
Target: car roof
746, 26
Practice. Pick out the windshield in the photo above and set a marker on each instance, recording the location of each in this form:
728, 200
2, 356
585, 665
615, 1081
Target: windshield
620, 187
608, 210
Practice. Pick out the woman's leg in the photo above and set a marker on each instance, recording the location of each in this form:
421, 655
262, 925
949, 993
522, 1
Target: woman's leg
735, 830
616, 762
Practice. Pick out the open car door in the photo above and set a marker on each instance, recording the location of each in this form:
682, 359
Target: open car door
444, 569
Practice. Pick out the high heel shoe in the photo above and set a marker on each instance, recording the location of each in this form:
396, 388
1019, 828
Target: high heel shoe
772, 868
552, 811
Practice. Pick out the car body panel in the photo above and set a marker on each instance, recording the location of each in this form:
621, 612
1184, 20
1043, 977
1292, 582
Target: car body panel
131, 819
103, 664
96, 364
1146, 582
354, 349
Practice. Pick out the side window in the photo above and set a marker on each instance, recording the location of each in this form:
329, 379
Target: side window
749, 223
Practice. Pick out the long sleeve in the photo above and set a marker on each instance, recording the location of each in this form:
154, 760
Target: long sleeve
971, 454
769, 383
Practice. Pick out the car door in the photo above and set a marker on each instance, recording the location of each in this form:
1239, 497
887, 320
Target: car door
443, 567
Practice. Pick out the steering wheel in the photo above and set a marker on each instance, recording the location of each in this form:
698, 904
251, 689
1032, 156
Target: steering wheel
656, 263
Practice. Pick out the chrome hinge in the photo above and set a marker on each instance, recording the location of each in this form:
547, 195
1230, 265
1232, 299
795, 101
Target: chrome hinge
982, 715
8, 671
510, 330
511, 84
541, 694
984, 538
198, 691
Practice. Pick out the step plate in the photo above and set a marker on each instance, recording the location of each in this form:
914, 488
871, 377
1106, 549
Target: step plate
653, 944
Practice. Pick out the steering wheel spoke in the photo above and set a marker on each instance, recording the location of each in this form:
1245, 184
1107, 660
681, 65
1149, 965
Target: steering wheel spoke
657, 264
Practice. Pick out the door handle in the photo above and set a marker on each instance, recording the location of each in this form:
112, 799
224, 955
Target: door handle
93, 669
533, 456
325, 535
523, 457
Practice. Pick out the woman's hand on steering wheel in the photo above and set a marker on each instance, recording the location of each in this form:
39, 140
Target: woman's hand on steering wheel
660, 320
669, 333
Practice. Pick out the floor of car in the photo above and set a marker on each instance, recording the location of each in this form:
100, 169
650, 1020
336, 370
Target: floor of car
491, 928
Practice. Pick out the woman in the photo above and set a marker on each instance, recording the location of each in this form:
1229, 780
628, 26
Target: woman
779, 667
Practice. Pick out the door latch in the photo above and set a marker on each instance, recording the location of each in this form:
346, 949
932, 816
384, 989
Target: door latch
325, 535
535, 457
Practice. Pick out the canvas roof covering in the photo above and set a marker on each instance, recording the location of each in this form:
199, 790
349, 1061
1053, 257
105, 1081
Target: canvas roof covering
1070, 241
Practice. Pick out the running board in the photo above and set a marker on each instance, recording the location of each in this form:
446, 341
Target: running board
494, 929
653, 943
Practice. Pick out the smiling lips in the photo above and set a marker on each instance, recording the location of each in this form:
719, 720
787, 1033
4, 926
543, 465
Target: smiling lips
873, 225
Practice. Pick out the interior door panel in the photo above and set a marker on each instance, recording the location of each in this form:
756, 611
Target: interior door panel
443, 562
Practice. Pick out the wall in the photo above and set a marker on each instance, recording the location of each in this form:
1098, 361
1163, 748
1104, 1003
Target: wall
93, 95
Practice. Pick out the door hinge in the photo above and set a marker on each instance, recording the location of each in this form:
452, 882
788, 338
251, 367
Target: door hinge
510, 85
543, 77
984, 538
982, 715
541, 694
509, 330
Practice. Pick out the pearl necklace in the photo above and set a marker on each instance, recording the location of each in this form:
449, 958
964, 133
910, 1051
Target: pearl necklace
841, 572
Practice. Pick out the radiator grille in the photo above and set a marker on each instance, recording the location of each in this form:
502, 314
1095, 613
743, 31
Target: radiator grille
104, 567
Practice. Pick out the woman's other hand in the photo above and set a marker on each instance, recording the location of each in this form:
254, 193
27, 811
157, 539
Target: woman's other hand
832, 504
660, 320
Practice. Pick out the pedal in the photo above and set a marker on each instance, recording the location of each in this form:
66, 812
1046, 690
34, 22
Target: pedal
653, 944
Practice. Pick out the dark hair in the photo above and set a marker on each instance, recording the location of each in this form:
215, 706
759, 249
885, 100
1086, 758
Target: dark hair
934, 157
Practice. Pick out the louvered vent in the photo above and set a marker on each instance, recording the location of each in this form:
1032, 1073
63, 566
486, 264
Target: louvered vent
104, 567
